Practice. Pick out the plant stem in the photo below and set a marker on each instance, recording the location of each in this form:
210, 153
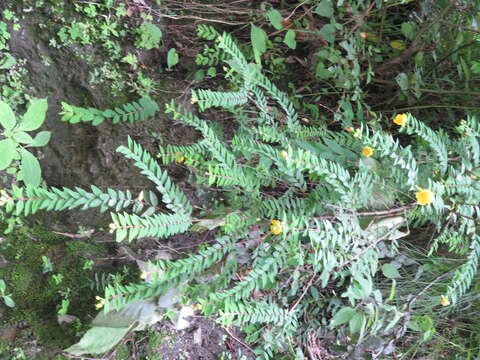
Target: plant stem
431, 107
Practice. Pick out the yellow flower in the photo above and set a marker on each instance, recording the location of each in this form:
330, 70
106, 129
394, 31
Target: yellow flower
100, 302
197, 307
425, 197
178, 156
193, 100
284, 154
367, 151
444, 300
276, 227
143, 275
400, 119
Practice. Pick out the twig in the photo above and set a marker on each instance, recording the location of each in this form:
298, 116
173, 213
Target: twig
390, 232
303, 293
238, 340
380, 212
413, 48
438, 278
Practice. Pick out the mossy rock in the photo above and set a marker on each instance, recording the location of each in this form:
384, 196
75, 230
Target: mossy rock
37, 295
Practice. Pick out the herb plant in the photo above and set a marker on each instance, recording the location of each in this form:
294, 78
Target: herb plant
310, 217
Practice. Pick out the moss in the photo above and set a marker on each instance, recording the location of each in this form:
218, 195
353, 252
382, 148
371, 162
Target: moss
36, 294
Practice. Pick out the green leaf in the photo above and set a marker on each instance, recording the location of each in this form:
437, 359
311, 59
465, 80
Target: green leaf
7, 299
290, 39
140, 311
356, 322
22, 137
30, 168
35, 115
390, 271
7, 117
324, 8
172, 58
322, 72
7, 62
275, 19
98, 340
403, 81
328, 33
343, 316
41, 139
408, 30
8, 149
259, 41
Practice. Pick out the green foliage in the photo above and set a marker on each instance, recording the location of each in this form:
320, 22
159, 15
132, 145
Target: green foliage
307, 226
7, 298
16, 140
130, 112
318, 193
149, 36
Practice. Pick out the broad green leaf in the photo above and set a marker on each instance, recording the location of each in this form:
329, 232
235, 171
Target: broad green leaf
275, 19
22, 137
142, 311
8, 301
390, 271
408, 30
343, 316
98, 340
30, 168
403, 81
322, 72
290, 39
8, 149
328, 33
7, 117
324, 8
356, 322
7, 62
3, 286
109, 328
35, 115
41, 139
259, 41
172, 58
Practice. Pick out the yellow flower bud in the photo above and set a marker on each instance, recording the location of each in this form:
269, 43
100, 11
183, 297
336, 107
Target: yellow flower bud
367, 151
444, 300
400, 119
284, 154
425, 197
112, 228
